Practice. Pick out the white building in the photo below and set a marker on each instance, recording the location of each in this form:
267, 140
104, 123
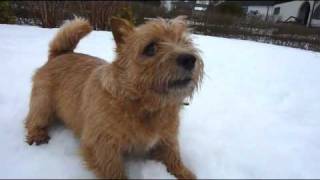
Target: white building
263, 11
201, 5
258, 8
305, 12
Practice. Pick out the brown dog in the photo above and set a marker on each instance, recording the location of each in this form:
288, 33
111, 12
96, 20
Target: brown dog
130, 106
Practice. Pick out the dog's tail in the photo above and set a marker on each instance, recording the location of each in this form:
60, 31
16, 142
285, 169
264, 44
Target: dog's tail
68, 37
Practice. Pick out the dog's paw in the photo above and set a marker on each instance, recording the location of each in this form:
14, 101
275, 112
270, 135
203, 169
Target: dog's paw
38, 136
185, 174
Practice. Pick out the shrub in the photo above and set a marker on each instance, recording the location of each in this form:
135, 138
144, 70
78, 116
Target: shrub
6, 14
230, 8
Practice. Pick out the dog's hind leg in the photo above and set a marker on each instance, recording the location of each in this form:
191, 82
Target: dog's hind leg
40, 113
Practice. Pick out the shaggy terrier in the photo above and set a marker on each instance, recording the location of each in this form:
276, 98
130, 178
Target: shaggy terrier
127, 107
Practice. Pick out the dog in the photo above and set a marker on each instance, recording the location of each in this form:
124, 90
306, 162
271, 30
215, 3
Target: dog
128, 107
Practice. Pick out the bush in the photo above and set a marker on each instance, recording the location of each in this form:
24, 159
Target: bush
230, 8
146, 9
227, 19
6, 14
126, 13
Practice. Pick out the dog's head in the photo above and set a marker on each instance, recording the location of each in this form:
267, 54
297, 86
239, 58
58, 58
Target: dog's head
157, 58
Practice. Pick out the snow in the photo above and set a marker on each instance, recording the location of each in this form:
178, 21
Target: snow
256, 116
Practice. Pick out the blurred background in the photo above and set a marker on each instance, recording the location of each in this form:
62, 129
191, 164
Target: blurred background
287, 23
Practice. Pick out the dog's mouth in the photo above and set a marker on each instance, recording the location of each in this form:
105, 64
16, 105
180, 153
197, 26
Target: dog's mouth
180, 83
173, 85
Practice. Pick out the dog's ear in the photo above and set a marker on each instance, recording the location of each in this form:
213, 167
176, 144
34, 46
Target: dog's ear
180, 24
120, 28
181, 19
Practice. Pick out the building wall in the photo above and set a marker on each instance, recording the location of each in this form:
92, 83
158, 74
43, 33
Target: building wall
204, 2
292, 9
262, 10
288, 9
315, 22
167, 5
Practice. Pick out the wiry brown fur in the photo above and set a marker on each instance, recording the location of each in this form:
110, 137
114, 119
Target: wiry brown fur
116, 109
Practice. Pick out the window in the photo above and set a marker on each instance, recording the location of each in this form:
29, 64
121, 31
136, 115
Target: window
203, 2
276, 11
316, 13
256, 12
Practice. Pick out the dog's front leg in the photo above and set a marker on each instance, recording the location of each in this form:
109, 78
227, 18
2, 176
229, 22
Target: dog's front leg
167, 151
104, 159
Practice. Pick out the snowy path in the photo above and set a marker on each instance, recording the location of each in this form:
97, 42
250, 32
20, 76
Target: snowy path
256, 116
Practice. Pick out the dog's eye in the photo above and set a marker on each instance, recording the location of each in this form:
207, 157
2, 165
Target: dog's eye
150, 49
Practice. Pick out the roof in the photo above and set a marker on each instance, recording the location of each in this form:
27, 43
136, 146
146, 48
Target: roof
279, 2
261, 3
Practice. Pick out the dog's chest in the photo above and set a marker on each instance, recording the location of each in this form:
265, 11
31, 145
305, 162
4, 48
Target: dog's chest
150, 143
141, 146
146, 130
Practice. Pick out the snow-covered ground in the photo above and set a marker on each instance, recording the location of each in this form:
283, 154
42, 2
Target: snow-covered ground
256, 116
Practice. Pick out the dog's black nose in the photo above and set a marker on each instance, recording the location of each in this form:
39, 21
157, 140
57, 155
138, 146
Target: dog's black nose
186, 61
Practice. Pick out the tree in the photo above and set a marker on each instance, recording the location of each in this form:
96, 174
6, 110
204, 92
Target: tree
231, 8
6, 15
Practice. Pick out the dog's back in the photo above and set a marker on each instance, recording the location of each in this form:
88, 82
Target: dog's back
68, 74
57, 86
